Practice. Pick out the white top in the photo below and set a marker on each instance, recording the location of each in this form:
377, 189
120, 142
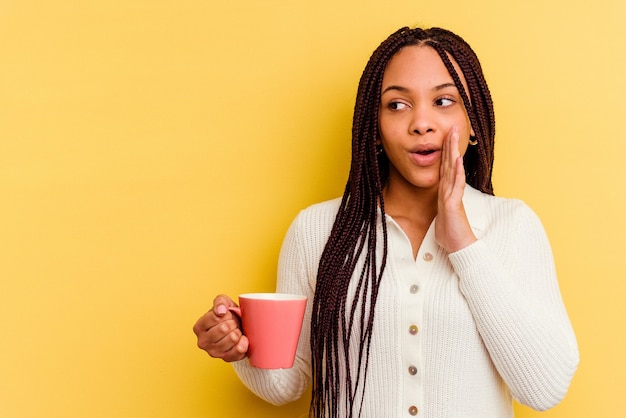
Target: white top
490, 319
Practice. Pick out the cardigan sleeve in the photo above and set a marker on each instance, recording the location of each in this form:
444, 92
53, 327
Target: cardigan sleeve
286, 385
509, 281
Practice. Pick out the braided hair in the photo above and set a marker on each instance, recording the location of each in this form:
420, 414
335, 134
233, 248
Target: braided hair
340, 317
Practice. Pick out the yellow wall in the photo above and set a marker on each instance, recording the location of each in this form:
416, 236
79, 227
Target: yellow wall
153, 153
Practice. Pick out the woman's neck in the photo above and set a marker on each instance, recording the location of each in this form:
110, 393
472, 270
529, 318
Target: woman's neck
416, 205
412, 208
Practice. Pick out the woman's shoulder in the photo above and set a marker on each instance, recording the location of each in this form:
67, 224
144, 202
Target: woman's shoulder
484, 210
331, 205
477, 198
320, 214
311, 227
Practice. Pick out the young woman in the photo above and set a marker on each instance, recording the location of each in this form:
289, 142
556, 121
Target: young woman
428, 295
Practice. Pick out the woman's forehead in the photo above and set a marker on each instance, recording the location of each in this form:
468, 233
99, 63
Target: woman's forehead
419, 63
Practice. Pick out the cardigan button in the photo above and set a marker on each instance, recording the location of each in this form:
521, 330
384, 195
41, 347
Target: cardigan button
428, 257
412, 370
413, 329
413, 410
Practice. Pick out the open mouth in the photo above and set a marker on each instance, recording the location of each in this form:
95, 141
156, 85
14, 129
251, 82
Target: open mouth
425, 156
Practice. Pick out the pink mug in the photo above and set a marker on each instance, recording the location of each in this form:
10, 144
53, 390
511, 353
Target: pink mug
272, 323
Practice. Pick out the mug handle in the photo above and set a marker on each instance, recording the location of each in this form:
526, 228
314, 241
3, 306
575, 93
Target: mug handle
236, 310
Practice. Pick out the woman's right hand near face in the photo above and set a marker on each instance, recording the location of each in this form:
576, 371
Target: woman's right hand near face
219, 331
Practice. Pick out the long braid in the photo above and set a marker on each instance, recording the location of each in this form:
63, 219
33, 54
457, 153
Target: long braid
354, 238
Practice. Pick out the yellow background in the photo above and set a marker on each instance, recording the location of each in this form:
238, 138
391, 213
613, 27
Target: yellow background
153, 153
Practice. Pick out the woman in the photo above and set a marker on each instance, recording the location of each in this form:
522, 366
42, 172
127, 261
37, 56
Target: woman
430, 296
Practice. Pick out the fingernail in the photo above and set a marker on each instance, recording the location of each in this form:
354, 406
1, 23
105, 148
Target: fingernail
221, 310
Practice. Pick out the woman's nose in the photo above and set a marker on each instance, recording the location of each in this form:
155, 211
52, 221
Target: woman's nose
421, 123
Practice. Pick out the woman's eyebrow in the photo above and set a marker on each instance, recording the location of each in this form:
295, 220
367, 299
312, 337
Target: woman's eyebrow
444, 86
405, 89
394, 87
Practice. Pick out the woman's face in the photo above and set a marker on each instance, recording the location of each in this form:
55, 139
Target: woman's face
419, 106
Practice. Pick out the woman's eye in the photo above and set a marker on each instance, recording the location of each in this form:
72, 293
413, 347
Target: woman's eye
397, 105
444, 102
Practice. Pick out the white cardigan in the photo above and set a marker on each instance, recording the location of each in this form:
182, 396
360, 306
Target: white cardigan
490, 319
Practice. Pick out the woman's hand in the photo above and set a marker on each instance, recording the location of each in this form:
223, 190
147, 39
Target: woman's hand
219, 332
452, 229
